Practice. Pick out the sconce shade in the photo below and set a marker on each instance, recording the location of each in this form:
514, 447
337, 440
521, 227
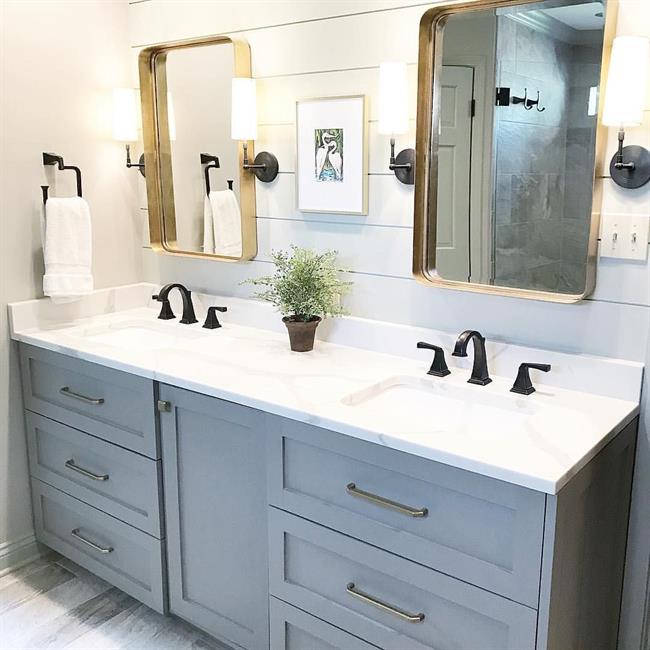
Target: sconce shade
244, 109
627, 80
393, 98
125, 114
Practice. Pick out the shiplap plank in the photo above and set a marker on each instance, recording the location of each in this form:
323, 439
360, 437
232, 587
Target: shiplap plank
276, 96
157, 21
375, 250
390, 203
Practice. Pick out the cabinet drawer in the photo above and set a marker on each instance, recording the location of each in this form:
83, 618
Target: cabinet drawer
293, 629
481, 530
120, 554
115, 480
107, 403
387, 600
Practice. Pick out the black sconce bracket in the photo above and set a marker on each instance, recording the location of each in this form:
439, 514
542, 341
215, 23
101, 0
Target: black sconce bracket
265, 166
139, 165
403, 165
630, 166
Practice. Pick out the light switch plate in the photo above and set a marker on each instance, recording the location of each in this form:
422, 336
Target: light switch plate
624, 236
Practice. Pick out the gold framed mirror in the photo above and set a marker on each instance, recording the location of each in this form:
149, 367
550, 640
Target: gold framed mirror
509, 146
201, 201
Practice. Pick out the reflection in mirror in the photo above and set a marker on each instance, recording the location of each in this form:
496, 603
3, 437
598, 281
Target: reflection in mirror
515, 159
204, 158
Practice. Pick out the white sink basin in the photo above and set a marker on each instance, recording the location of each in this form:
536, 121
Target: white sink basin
140, 334
424, 405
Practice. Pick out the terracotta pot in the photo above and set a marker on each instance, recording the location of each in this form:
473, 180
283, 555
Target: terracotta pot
301, 333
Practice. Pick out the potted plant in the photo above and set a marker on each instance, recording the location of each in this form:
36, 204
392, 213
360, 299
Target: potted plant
305, 288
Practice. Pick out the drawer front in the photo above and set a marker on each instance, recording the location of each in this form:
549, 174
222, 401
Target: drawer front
387, 600
115, 480
109, 404
481, 530
120, 554
293, 629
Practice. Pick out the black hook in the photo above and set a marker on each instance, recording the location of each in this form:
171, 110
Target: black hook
211, 162
521, 100
230, 182
534, 102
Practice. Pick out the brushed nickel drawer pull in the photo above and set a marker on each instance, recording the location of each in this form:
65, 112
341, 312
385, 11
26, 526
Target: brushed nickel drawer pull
386, 503
70, 464
96, 401
95, 547
380, 604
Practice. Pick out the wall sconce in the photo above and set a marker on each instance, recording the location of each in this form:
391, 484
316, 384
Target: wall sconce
126, 121
394, 117
624, 103
244, 128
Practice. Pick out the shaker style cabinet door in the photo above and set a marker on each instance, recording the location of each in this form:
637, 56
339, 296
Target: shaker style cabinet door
215, 507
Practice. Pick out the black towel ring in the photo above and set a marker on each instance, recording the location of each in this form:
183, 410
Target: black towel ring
54, 159
210, 162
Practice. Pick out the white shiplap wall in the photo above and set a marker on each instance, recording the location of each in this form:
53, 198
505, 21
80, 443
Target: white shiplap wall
313, 49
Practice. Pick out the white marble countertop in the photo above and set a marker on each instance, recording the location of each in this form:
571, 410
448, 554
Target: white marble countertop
538, 441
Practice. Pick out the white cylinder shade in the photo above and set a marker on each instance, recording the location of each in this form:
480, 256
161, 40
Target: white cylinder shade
125, 114
627, 80
244, 109
393, 98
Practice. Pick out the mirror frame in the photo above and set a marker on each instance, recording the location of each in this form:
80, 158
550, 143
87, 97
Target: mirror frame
157, 151
426, 166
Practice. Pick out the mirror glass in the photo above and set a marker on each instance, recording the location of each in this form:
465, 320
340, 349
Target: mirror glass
515, 153
199, 93
201, 202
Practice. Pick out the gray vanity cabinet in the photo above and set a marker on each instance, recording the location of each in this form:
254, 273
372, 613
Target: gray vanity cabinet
215, 503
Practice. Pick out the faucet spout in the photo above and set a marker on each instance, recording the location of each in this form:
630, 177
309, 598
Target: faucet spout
189, 316
480, 374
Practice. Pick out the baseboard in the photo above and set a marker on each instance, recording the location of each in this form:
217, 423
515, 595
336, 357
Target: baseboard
16, 553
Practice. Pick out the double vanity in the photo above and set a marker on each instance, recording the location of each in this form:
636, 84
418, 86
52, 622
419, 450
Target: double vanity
342, 498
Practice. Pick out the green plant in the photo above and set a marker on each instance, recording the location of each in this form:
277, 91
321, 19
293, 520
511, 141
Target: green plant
305, 284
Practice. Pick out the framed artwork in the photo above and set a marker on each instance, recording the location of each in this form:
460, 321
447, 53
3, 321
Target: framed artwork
331, 157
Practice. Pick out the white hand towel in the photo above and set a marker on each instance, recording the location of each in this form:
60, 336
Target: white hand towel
208, 227
67, 248
226, 223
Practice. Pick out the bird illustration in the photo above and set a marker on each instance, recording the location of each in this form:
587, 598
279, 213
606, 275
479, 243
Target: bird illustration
321, 154
335, 159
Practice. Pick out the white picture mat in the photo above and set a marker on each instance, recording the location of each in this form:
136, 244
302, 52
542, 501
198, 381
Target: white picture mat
348, 195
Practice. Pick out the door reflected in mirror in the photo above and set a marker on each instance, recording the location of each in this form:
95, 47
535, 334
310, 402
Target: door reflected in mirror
516, 116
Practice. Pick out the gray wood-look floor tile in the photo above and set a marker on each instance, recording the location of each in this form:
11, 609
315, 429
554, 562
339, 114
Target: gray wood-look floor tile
54, 604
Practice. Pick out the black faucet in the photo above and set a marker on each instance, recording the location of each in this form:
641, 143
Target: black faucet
188, 307
439, 365
211, 320
523, 385
480, 374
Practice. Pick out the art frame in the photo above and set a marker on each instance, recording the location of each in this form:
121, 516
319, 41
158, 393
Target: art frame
332, 155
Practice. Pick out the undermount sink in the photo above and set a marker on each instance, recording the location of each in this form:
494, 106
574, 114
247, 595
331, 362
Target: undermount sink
139, 334
423, 405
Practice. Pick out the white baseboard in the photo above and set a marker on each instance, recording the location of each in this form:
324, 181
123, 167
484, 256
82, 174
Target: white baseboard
16, 553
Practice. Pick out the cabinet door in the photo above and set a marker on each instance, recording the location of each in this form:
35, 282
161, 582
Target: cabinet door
215, 506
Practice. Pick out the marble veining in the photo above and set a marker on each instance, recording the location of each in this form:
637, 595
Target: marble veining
54, 603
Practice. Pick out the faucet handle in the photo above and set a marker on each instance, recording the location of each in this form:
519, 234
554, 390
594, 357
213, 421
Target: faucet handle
211, 320
166, 312
523, 385
439, 366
